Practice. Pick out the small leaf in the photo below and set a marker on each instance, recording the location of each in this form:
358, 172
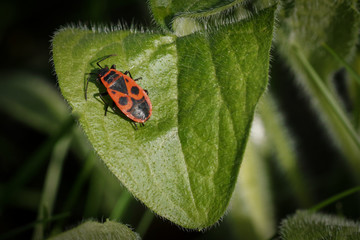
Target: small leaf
92, 230
164, 11
32, 100
204, 88
314, 226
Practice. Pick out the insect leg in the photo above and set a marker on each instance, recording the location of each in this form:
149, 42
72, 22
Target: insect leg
87, 84
106, 108
128, 73
147, 92
106, 104
103, 94
86, 87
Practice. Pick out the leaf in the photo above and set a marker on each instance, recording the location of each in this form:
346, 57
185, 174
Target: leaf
281, 143
30, 99
204, 88
164, 11
309, 24
306, 26
252, 211
186, 17
313, 226
95, 230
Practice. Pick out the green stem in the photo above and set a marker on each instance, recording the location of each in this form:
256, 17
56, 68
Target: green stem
76, 188
282, 144
351, 71
334, 106
35, 161
16, 231
80, 181
120, 206
95, 194
334, 199
145, 223
52, 180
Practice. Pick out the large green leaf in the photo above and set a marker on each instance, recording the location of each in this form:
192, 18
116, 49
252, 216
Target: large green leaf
204, 88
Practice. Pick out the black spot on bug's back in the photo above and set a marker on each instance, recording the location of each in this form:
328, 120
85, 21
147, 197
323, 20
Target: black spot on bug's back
111, 76
119, 85
113, 92
135, 90
140, 109
123, 101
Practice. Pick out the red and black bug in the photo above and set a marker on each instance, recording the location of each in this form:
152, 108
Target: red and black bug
123, 90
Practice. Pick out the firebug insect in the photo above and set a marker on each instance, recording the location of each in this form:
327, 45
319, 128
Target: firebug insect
127, 95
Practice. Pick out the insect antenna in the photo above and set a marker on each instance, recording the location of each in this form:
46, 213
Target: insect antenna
104, 58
